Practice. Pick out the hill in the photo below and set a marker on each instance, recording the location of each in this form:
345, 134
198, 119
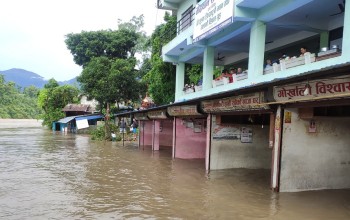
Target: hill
24, 78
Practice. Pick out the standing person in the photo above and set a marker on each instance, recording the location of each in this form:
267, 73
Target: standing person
122, 126
134, 126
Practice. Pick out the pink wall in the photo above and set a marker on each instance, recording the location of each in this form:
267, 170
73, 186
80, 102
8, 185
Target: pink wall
163, 133
146, 129
166, 135
189, 144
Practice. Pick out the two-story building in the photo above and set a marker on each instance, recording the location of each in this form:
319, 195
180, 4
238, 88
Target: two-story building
291, 116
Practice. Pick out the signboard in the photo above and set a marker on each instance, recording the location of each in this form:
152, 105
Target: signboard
246, 135
210, 16
252, 101
141, 116
159, 114
82, 124
226, 132
185, 110
315, 88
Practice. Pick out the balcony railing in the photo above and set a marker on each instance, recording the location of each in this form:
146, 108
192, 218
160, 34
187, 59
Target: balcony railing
181, 25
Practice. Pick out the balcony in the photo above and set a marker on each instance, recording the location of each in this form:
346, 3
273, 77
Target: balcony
287, 68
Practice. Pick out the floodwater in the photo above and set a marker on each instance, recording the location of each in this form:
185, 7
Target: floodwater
47, 175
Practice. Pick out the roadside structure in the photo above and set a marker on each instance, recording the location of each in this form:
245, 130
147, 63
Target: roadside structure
291, 117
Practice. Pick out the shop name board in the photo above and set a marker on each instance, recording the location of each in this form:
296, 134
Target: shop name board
243, 102
141, 116
186, 110
316, 88
159, 114
210, 16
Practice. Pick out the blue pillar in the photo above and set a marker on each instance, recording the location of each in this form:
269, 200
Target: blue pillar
208, 68
346, 33
256, 50
180, 80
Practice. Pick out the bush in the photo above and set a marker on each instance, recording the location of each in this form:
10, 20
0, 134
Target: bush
99, 132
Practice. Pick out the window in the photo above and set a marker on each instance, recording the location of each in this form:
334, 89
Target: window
186, 19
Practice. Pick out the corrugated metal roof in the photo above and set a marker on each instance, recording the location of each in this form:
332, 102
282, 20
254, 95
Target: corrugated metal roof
66, 120
89, 117
78, 108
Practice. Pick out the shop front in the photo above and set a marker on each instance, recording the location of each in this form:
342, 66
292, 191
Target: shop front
159, 128
189, 132
314, 149
239, 132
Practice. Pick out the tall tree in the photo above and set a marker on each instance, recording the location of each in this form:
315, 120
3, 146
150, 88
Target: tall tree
110, 81
161, 77
111, 44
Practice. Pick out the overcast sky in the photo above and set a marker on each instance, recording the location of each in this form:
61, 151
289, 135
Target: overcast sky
32, 31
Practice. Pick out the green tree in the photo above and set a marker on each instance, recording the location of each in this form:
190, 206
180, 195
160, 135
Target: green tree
161, 77
52, 99
110, 81
111, 44
31, 91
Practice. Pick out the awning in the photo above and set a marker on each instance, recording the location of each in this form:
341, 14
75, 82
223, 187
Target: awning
66, 120
88, 117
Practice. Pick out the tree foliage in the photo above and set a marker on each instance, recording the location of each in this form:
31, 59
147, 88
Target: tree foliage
110, 81
108, 60
161, 77
17, 104
53, 98
111, 44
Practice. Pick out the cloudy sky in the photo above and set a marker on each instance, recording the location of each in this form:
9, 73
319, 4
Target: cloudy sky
32, 31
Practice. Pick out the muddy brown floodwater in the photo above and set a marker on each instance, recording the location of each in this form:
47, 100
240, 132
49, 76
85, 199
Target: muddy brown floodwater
47, 175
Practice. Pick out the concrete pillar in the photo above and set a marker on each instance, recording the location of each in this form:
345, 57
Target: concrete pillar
156, 135
324, 39
208, 68
208, 143
256, 50
346, 33
180, 80
276, 151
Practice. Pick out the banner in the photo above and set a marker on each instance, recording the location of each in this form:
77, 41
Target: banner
314, 88
211, 16
184, 110
82, 124
254, 101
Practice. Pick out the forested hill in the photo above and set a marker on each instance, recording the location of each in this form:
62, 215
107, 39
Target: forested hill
18, 104
24, 78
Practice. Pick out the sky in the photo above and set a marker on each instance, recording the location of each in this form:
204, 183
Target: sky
32, 32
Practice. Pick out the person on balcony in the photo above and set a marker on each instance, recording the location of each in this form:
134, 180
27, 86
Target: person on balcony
224, 74
303, 50
233, 73
268, 64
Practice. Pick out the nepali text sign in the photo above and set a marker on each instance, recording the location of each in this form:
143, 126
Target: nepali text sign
226, 132
317, 88
211, 15
159, 114
252, 101
185, 110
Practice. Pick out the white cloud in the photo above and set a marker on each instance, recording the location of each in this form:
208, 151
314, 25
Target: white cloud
32, 32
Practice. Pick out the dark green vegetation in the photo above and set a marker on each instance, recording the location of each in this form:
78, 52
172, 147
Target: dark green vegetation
52, 100
15, 103
108, 61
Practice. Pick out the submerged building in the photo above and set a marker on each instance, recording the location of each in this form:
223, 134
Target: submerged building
290, 114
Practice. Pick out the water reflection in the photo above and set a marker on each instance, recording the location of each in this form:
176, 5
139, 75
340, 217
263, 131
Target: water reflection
46, 175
